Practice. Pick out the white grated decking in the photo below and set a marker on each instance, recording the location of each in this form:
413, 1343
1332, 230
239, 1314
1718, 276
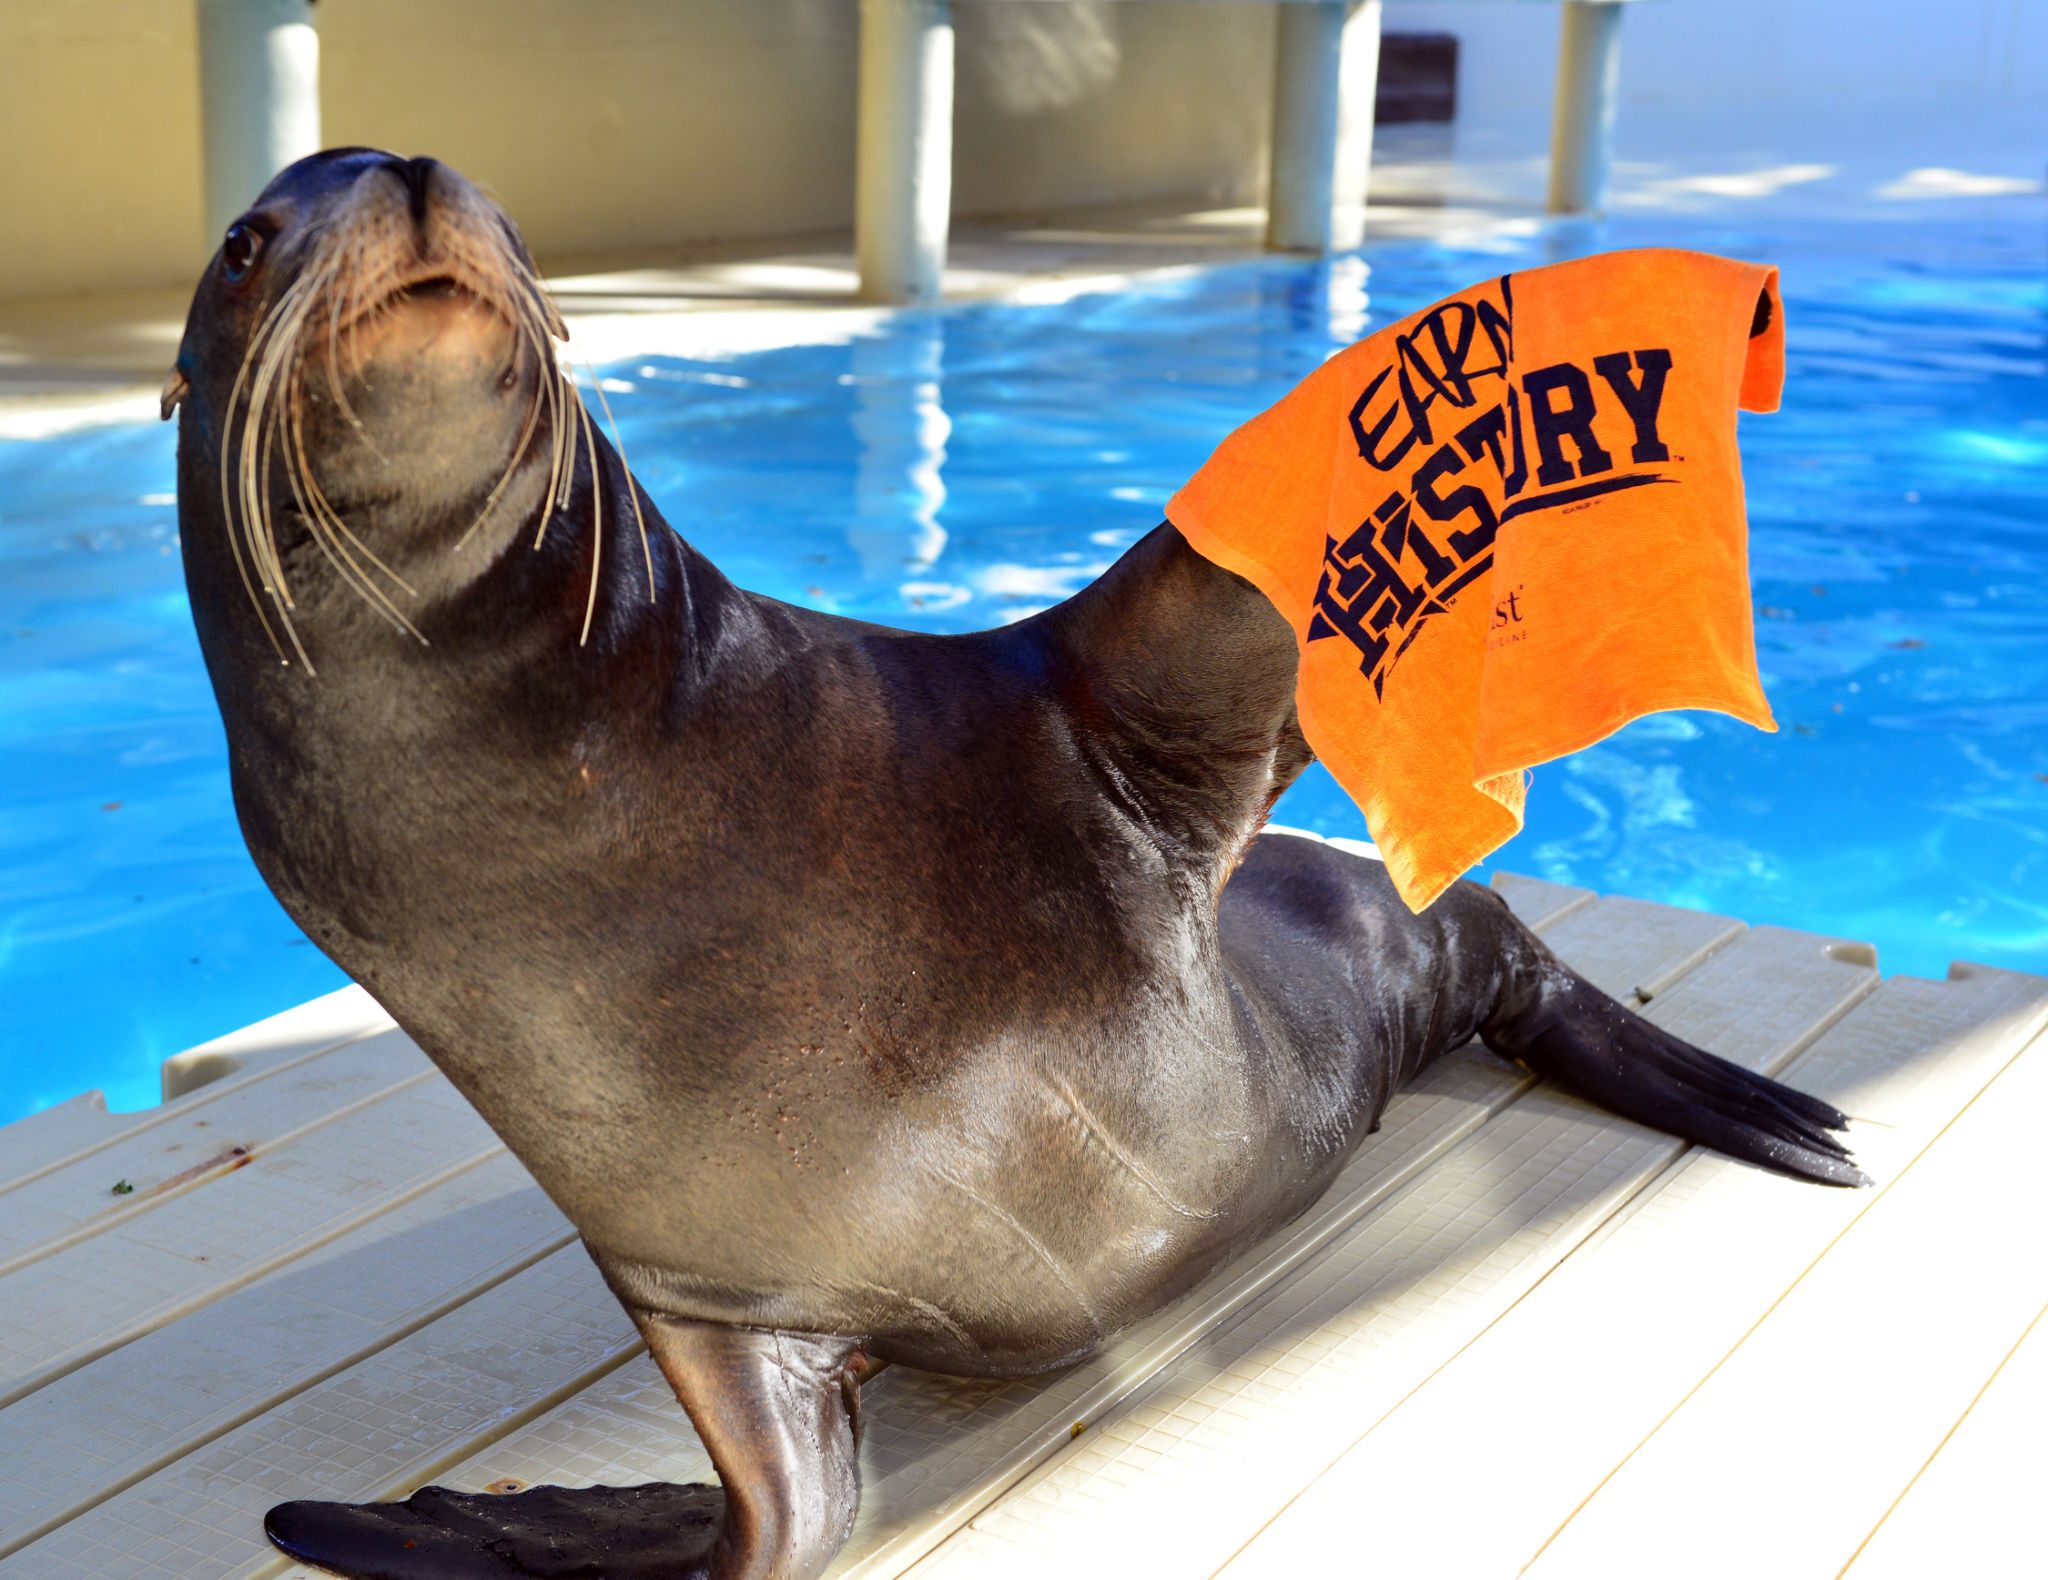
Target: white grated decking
1516, 1333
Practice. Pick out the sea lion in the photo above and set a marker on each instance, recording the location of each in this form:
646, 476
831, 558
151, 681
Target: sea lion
856, 993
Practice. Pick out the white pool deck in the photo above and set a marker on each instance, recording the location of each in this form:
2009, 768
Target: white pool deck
1517, 1335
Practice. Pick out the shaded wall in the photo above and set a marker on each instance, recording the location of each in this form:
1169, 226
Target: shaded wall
618, 123
99, 118
1751, 54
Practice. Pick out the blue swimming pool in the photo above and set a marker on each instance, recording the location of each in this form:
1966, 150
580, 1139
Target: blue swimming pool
965, 468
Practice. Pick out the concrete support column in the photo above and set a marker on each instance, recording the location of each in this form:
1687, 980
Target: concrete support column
1582, 119
1358, 88
1325, 74
259, 97
903, 199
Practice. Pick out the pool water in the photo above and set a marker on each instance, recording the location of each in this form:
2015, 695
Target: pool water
965, 468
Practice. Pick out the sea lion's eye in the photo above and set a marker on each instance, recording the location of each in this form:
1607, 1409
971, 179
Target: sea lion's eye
238, 252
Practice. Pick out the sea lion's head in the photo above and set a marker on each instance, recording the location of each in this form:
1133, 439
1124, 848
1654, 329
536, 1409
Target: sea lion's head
367, 378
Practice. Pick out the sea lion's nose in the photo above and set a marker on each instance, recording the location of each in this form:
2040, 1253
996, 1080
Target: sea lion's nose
418, 176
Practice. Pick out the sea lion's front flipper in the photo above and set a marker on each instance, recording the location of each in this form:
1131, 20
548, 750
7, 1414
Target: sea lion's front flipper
779, 1414
654, 1532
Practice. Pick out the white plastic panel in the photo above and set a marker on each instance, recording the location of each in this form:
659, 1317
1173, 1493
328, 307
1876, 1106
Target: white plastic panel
1537, 901
64, 1130
1974, 1509
201, 1142
1356, 847
341, 1016
68, 1131
1859, 1370
64, 1309
372, 1430
1579, 1373
1631, 949
95, 1430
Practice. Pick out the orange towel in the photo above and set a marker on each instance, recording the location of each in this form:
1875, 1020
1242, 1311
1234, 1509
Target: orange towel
1504, 527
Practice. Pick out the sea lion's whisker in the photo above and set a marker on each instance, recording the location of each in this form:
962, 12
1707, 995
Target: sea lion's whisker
352, 574
235, 541
546, 374
228, 431
526, 433
551, 311
567, 395
319, 497
257, 363
547, 504
283, 592
296, 472
324, 530
239, 529
569, 401
257, 438
334, 373
280, 343
632, 488
259, 433
356, 284
547, 328
324, 517
561, 474
266, 527
552, 314
511, 466
596, 515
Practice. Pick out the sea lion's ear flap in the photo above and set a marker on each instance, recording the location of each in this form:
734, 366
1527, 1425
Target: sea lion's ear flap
176, 388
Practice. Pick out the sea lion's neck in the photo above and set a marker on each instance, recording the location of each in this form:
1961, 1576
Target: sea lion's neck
534, 710
565, 586
597, 593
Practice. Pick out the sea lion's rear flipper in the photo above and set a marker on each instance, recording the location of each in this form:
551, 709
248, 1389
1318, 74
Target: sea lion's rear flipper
1563, 1027
779, 1414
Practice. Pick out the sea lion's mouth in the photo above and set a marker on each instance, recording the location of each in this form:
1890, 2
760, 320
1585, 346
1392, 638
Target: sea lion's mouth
431, 283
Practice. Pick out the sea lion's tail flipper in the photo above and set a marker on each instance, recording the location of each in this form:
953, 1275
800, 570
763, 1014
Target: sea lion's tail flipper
1570, 1031
779, 1415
